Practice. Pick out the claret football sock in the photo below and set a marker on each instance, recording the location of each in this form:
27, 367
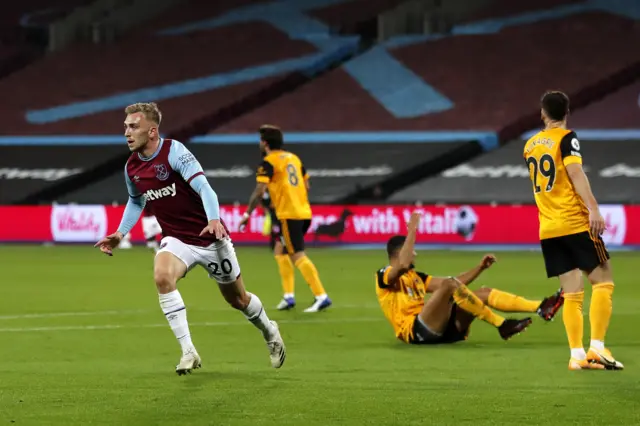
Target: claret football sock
176, 313
287, 277
507, 302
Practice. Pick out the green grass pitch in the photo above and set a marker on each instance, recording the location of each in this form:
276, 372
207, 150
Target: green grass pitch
83, 342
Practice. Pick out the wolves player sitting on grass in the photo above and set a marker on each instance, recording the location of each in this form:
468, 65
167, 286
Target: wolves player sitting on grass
445, 317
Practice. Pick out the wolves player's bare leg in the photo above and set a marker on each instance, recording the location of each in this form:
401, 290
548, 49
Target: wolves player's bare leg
436, 311
167, 270
251, 306
601, 279
472, 306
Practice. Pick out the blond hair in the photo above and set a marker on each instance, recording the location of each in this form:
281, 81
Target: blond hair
149, 109
269, 126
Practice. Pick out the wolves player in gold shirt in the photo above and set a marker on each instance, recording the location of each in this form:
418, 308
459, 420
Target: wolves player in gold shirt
445, 317
570, 231
284, 175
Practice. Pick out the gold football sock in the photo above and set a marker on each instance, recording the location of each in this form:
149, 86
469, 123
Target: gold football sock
310, 274
285, 267
507, 302
572, 318
472, 304
600, 310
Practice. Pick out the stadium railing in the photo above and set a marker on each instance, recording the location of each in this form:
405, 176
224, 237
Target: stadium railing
85, 20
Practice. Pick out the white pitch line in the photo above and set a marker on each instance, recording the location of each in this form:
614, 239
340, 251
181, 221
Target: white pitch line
70, 314
197, 324
143, 311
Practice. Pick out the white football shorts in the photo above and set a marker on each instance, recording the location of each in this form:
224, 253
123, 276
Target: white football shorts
219, 259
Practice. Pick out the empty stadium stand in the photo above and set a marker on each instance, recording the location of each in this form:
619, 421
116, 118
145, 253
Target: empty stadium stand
202, 72
24, 13
506, 8
617, 111
193, 68
481, 81
221, 69
346, 17
87, 73
23, 30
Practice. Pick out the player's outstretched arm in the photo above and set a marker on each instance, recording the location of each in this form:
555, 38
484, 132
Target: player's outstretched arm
402, 262
465, 278
583, 188
130, 217
468, 277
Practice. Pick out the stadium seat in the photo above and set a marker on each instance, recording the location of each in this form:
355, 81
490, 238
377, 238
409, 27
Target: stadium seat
168, 62
498, 83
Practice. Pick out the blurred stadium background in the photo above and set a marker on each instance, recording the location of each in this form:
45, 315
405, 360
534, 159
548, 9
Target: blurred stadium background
392, 104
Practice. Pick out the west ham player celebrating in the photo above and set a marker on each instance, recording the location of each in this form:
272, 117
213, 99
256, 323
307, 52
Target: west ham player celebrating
163, 174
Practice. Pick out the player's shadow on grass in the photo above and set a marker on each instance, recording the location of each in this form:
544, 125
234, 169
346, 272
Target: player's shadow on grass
199, 378
498, 344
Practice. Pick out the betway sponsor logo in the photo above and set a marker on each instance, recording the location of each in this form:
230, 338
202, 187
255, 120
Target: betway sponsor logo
246, 172
167, 191
11, 173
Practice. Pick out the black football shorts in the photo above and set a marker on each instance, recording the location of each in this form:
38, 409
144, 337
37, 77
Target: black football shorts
292, 232
576, 251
